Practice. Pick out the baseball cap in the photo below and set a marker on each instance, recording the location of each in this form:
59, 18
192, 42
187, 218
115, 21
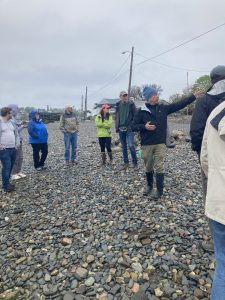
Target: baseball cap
68, 106
105, 106
123, 93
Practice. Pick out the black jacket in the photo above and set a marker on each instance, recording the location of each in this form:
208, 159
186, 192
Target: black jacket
203, 108
144, 115
130, 115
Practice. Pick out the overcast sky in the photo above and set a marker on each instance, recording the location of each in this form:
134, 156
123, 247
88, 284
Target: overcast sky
51, 49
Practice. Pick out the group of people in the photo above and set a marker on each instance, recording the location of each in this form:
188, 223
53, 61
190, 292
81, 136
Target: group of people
207, 137
11, 141
208, 140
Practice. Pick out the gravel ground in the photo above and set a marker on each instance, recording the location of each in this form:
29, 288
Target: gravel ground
86, 232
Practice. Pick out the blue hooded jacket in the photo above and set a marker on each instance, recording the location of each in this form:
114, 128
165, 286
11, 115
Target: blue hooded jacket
37, 130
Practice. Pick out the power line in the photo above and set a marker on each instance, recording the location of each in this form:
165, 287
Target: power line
172, 67
114, 77
180, 45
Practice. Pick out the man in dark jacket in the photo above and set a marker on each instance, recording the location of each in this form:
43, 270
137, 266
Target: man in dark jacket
125, 111
214, 96
206, 104
151, 121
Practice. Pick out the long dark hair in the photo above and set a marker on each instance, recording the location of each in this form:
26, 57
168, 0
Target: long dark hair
104, 116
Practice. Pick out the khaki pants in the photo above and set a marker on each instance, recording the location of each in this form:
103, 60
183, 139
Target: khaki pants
153, 156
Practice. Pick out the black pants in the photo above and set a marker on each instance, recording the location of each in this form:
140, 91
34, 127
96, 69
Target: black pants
105, 142
37, 148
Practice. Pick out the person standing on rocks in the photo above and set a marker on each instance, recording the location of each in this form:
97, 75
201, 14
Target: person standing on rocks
16, 171
38, 138
206, 104
69, 127
8, 143
213, 164
151, 121
103, 122
125, 111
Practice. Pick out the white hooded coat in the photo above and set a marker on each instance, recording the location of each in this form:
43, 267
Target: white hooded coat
213, 165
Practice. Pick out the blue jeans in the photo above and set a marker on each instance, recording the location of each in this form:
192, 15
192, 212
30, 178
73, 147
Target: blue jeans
128, 136
218, 287
7, 157
70, 139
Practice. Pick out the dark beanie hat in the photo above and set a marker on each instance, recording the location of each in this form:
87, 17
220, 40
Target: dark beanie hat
217, 74
149, 92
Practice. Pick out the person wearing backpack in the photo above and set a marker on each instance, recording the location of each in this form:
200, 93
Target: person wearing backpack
103, 122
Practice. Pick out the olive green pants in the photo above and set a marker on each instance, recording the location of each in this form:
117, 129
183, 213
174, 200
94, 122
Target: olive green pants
153, 156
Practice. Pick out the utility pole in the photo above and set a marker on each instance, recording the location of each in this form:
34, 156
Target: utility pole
82, 104
85, 105
187, 90
131, 69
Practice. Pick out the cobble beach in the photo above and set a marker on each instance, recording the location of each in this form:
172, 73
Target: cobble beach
86, 232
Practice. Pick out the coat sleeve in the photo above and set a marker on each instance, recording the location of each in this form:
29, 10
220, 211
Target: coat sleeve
31, 130
204, 153
198, 123
171, 108
138, 124
62, 124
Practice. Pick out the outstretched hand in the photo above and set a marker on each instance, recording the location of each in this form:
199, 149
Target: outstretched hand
199, 94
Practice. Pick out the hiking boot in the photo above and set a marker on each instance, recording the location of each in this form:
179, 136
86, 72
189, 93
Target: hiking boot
110, 157
103, 158
149, 185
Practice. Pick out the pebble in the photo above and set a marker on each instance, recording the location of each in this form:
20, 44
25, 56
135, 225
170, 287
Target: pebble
90, 281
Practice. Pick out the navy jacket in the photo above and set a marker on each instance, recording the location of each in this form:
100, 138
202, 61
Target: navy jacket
159, 119
203, 108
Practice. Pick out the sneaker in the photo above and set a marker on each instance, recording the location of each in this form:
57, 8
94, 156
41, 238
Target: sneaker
44, 168
38, 169
15, 177
74, 162
22, 175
